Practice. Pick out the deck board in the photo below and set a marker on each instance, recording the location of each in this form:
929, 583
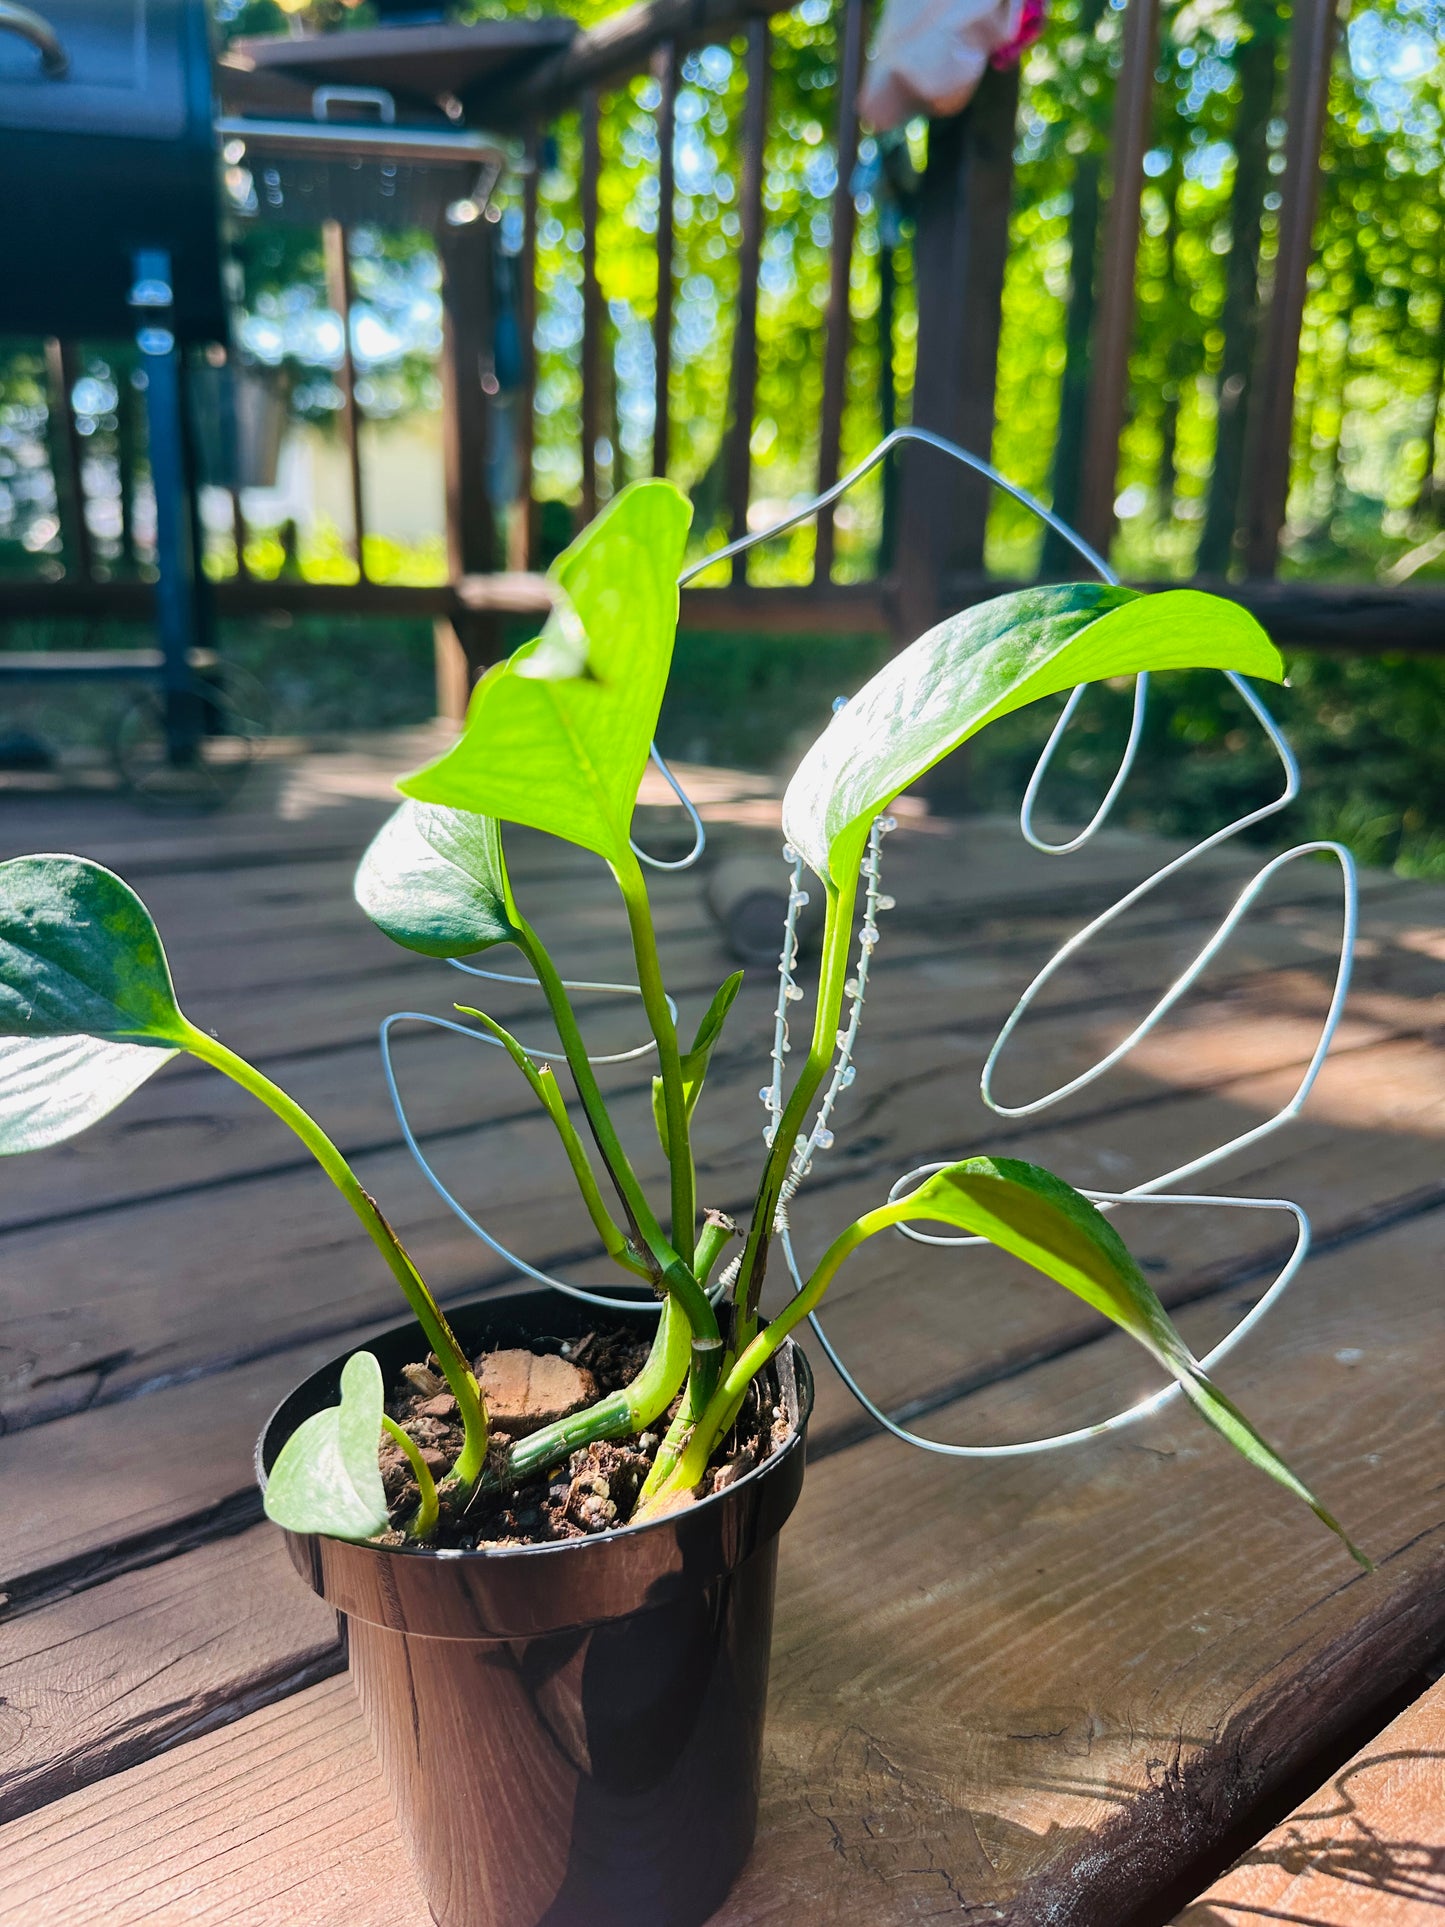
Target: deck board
1199, 1636
1368, 1848
954, 1722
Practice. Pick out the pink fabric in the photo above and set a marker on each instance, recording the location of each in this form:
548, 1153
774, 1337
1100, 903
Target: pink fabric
931, 54
1030, 26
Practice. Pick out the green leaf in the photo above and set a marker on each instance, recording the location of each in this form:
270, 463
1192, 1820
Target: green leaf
52, 1088
1028, 1211
981, 665
79, 953
435, 880
558, 736
695, 1061
327, 1477
87, 1011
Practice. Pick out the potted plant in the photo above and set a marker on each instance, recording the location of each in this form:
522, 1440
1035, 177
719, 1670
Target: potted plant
559, 1618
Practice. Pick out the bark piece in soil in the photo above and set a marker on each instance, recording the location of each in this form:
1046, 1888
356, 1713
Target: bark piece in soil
595, 1487
526, 1390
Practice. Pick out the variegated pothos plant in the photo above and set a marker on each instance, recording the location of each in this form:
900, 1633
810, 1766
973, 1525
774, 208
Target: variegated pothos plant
557, 739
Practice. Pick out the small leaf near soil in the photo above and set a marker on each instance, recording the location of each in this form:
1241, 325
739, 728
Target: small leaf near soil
327, 1477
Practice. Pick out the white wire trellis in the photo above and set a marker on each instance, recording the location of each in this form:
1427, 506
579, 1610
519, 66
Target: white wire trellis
820, 1136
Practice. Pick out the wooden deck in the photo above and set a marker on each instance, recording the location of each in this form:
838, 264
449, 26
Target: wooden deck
1054, 1690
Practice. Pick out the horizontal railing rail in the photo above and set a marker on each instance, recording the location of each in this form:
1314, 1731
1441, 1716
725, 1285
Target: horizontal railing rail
931, 553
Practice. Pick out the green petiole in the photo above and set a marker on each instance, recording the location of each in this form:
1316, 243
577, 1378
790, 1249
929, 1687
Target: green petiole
548, 1094
454, 1363
422, 1523
630, 1410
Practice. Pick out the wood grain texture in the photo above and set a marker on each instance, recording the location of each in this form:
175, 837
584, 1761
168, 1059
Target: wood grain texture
282, 1818
91, 1685
1369, 1848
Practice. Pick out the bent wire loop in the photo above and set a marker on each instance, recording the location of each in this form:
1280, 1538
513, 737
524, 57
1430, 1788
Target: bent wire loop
820, 1137
1150, 1190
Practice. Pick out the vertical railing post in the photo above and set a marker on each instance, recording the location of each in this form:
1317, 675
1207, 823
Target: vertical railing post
591, 302
238, 535
745, 334
62, 373
1271, 418
338, 296
523, 554
835, 358
666, 75
887, 402
469, 640
1115, 313
960, 249
182, 602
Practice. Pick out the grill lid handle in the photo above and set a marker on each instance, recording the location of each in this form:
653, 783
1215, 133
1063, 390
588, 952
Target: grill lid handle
35, 28
325, 98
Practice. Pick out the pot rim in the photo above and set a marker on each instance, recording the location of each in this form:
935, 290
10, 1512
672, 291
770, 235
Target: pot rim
791, 1351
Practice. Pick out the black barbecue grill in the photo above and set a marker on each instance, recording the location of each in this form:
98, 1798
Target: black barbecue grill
113, 161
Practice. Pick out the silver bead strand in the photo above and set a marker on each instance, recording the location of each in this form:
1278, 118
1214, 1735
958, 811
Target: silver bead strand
820, 1137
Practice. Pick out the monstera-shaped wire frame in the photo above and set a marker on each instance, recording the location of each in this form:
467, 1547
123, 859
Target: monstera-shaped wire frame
819, 1138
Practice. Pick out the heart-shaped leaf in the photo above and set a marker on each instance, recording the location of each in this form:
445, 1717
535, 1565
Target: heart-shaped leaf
1026, 1210
435, 881
87, 1011
558, 736
327, 1477
695, 1061
980, 665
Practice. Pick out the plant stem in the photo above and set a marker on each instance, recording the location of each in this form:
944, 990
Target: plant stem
833, 974
668, 1454
654, 1002
722, 1408
422, 1523
716, 1231
673, 1273
439, 1333
630, 1410
548, 1094
609, 1145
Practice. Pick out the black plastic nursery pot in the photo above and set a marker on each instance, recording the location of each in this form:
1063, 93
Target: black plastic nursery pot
571, 1733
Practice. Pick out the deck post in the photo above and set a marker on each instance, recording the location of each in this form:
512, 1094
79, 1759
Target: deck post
744, 372
1114, 321
840, 320
337, 250
665, 69
960, 250
1271, 424
182, 599
466, 640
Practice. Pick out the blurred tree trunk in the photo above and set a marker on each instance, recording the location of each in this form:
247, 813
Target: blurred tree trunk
1176, 353
1427, 496
1058, 557
1257, 60
127, 412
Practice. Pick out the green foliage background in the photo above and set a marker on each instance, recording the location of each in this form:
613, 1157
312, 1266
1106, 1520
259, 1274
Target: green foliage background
1365, 501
